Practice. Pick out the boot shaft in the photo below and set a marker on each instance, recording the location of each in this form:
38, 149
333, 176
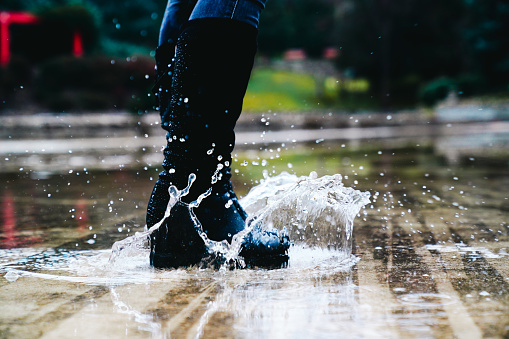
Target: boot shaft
213, 63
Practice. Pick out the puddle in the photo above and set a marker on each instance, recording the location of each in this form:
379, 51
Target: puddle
425, 258
94, 267
469, 252
282, 201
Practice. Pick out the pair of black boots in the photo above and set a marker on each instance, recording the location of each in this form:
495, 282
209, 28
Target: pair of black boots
200, 93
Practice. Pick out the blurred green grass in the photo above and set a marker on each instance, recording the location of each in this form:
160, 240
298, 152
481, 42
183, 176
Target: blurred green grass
285, 91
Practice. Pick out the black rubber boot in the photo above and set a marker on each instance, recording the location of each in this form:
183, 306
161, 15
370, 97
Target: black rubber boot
213, 62
164, 73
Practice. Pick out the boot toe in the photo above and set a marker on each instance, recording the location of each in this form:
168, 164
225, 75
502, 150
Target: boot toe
263, 248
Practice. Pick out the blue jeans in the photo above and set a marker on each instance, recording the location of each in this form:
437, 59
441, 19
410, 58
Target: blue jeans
178, 12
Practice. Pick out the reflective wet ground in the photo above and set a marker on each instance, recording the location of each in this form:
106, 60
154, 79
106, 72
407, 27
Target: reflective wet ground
430, 250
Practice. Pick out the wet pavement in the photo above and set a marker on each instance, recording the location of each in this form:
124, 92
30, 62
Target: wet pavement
431, 249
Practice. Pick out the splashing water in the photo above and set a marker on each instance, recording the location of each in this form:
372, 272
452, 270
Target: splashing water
131, 246
317, 212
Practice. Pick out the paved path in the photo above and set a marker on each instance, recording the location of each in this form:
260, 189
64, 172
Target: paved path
58, 146
432, 247
433, 264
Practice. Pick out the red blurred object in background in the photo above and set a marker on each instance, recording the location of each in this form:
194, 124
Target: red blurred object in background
24, 18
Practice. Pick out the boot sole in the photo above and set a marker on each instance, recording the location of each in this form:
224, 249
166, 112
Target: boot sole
174, 260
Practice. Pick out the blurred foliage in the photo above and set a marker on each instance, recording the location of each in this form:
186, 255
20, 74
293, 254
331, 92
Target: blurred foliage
487, 36
53, 35
14, 81
120, 22
123, 49
43, 73
131, 22
284, 24
401, 45
287, 24
66, 83
73, 18
403, 52
95, 83
437, 90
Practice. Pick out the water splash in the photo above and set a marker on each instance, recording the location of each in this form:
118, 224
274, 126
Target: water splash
131, 246
317, 212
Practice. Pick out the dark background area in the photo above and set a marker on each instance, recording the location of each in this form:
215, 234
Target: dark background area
411, 52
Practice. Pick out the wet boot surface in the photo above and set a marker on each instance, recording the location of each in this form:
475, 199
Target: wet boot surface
200, 101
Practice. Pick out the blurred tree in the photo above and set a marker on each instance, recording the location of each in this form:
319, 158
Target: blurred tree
305, 24
69, 18
399, 44
95, 83
487, 40
59, 20
131, 21
125, 25
405, 48
12, 5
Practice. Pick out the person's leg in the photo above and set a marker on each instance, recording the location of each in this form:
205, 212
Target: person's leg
247, 11
212, 67
175, 17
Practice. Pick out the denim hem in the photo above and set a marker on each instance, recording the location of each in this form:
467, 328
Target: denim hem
247, 11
